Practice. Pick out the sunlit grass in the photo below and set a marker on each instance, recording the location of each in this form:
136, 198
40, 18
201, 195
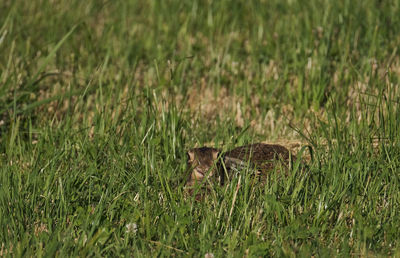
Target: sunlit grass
99, 101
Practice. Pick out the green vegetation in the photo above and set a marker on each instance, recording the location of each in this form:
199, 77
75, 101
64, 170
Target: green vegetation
99, 101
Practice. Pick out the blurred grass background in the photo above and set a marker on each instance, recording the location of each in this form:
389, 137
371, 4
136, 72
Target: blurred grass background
99, 100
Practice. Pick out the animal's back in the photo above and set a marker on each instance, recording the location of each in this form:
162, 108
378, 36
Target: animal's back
263, 156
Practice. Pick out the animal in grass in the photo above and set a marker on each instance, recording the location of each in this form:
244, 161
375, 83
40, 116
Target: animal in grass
206, 163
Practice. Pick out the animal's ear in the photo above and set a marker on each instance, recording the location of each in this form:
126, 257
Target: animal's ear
190, 155
215, 154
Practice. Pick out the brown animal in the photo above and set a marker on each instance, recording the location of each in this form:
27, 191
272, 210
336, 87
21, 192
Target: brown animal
203, 163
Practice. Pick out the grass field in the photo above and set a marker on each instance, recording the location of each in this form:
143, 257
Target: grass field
99, 101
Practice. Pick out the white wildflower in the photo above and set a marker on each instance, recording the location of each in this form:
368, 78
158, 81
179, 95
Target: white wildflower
131, 228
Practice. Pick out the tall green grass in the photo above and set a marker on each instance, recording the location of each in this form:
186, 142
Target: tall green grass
99, 100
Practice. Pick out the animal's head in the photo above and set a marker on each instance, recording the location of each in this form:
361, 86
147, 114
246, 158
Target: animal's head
201, 164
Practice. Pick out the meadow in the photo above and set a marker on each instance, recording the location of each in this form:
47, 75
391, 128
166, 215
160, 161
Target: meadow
100, 100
